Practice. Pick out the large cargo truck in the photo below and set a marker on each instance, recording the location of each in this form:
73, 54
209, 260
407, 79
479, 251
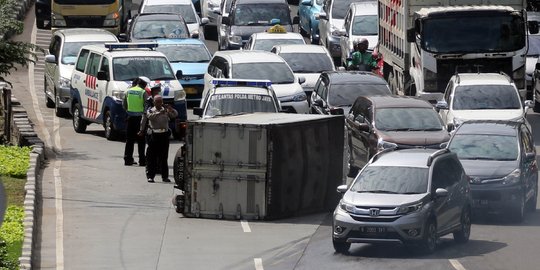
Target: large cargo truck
260, 166
425, 42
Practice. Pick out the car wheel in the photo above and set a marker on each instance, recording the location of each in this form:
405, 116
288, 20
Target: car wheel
341, 247
48, 101
531, 204
79, 124
518, 214
430, 237
60, 112
111, 134
312, 39
462, 236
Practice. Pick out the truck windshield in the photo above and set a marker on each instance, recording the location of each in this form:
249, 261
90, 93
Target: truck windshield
129, 68
474, 34
84, 2
227, 104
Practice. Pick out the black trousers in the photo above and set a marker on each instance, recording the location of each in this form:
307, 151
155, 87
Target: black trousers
158, 154
133, 125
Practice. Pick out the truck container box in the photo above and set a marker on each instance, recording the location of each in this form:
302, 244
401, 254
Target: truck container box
260, 166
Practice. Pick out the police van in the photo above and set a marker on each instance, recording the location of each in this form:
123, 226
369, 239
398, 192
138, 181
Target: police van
102, 75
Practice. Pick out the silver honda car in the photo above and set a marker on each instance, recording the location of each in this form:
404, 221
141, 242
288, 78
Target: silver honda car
411, 196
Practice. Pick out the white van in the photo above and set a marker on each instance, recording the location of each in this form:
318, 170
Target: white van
102, 75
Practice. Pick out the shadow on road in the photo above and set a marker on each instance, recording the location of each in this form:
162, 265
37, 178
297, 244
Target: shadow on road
531, 219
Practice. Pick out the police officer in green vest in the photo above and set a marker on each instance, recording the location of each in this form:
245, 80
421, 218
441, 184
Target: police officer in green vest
134, 106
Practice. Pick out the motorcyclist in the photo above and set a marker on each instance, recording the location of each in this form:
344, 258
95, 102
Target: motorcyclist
361, 59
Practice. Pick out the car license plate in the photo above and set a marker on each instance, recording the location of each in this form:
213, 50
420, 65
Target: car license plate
373, 229
190, 90
481, 202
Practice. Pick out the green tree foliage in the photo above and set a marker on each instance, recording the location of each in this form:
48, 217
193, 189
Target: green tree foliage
13, 53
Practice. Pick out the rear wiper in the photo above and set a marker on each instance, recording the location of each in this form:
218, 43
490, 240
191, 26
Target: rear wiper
377, 191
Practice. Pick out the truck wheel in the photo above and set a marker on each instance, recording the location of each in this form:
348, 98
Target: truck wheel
79, 124
341, 247
111, 133
462, 236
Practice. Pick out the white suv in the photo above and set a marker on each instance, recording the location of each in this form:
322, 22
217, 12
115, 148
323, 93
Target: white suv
480, 96
63, 49
259, 65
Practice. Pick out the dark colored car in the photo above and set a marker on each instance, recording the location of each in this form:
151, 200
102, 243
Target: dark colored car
500, 159
339, 89
151, 26
402, 122
252, 16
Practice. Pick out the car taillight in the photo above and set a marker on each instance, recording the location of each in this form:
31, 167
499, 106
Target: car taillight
181, 129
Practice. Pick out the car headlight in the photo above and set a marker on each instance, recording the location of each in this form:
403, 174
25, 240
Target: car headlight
64, 82
111, 19
118, 94
513, 178
179, 95
296, 97
58, 21
347, 207
410, 208
235, 39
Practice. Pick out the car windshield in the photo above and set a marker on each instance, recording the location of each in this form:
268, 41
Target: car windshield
159, 29
346, 94
267, 44
261, 14
367, 25
227, 104
186, 11
502, 33
188, 53
407, 119
485, 147
308, 62
534, 45
277, 73
340, 8
486, 97
129, 68
392, 179
71, 50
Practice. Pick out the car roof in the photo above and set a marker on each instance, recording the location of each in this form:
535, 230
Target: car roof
124, 52
166, 2
398, 102
266, 35
238, 57
353, 77
482, 79
86, 34
489, 127
240, 2
159, 17
300, 48
184, 41
364, 8
404, 158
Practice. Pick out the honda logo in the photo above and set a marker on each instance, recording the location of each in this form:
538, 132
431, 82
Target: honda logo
374, 212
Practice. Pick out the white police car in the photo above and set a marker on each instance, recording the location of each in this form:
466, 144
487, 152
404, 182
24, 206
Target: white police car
230, 97
102, 75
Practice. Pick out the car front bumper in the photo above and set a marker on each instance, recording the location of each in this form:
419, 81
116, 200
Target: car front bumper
496, 198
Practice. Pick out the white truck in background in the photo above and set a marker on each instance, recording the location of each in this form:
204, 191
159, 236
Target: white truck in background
425, 42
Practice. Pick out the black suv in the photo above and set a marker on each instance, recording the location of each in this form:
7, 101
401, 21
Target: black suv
253, 16
500, 158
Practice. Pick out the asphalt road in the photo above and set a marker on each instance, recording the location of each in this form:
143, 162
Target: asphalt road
99, 214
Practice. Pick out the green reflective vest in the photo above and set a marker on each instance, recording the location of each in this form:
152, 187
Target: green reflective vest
135, 99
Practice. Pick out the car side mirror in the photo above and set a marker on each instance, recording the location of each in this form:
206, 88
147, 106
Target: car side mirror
443, 145
195, 34
528, 104
51, 59
225, 20
441, 192
342, 189
441, 105
337, 111
198, 111
123, 37
102, 76
411, 35
318, 103
301, 79
363, 127
530, 156
296, 20
321, 16
179, 74
204, 21
533, 27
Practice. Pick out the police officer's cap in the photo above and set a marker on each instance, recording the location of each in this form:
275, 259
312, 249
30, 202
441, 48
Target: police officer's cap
144, 79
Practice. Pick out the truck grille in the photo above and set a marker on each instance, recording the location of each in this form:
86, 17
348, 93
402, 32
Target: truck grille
84, 21
447, 68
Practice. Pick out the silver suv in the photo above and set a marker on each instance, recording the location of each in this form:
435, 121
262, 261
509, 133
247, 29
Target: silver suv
411, 196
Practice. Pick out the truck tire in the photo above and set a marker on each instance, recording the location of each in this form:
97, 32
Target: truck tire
79, 124
111, 133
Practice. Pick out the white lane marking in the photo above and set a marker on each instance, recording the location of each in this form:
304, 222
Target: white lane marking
456, 264
258, 264
245, 226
